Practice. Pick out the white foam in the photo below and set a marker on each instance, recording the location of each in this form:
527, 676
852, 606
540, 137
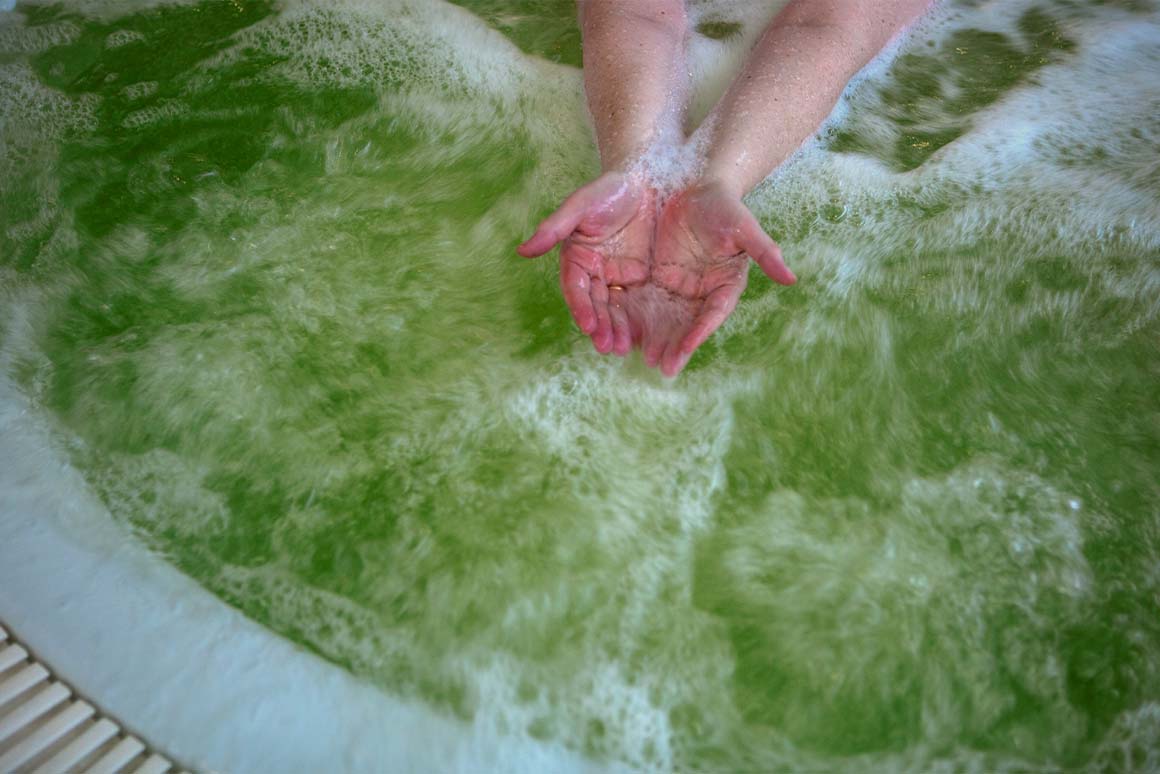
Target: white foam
32, 117
1132, 744
100, 10
16, 38
119, 38
600, 416
171, 661
140, 90
162, 111
1011, 156
417, 42
870, 607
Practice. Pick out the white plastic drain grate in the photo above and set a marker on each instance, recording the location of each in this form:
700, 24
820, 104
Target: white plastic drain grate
46, 729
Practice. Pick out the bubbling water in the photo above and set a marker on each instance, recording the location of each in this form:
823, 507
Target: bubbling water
256, 269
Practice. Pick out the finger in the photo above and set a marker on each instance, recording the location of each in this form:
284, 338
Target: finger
762, 249
557, 226
716, 309
635, 326
602, 336
575, 283
654, 348
674, 359
621, 331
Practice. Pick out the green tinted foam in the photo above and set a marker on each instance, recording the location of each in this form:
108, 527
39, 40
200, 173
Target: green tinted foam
901, 515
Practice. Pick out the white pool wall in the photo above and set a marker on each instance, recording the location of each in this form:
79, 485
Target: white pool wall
178, 666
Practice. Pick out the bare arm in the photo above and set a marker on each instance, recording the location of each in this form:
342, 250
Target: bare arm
789, 84
634, 74
791, 81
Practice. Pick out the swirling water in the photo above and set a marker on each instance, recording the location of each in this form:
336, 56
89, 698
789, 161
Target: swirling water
257, 268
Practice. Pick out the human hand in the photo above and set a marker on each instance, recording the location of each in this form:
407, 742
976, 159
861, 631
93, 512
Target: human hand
703, 236
607, 230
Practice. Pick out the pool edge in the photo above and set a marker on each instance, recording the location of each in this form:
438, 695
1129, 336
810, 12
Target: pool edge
183, 669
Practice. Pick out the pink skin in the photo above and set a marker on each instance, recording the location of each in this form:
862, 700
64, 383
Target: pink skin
663, 283
666, 279
705, 237
606, 234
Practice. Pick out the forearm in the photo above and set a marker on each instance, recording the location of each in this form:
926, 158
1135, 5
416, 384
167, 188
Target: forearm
791, 82
634, 74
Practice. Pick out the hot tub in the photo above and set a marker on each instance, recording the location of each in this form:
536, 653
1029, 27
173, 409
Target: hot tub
302, 469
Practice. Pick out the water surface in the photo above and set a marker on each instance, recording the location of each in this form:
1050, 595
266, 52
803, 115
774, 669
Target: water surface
257, 268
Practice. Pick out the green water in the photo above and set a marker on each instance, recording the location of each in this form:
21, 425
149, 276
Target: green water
257, 266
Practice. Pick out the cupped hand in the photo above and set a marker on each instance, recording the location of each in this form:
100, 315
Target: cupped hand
607, 229
703, 236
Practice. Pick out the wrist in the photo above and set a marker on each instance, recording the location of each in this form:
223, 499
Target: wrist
631, 165
625, 160
718, 185
634, 175
714, 178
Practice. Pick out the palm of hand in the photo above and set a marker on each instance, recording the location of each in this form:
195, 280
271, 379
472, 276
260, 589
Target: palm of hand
606, 231
606, 259
698, 272
664, 282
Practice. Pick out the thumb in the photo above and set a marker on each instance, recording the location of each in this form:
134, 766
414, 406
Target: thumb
559, 225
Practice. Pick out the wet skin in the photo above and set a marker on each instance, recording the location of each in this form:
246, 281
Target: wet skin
663, 273
661, 276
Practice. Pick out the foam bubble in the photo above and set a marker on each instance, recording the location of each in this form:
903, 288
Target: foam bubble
162, 111
118, 38
140, 90
33, 116
1133, 743
102, 11
16, 38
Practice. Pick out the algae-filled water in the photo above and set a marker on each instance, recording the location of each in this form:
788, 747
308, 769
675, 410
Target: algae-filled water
257, 269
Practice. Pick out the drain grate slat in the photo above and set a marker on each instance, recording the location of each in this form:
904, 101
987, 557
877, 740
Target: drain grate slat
42, 739
19, 683
117, 758
33, 708
154, 764
80, 748
46, 729
11, 655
